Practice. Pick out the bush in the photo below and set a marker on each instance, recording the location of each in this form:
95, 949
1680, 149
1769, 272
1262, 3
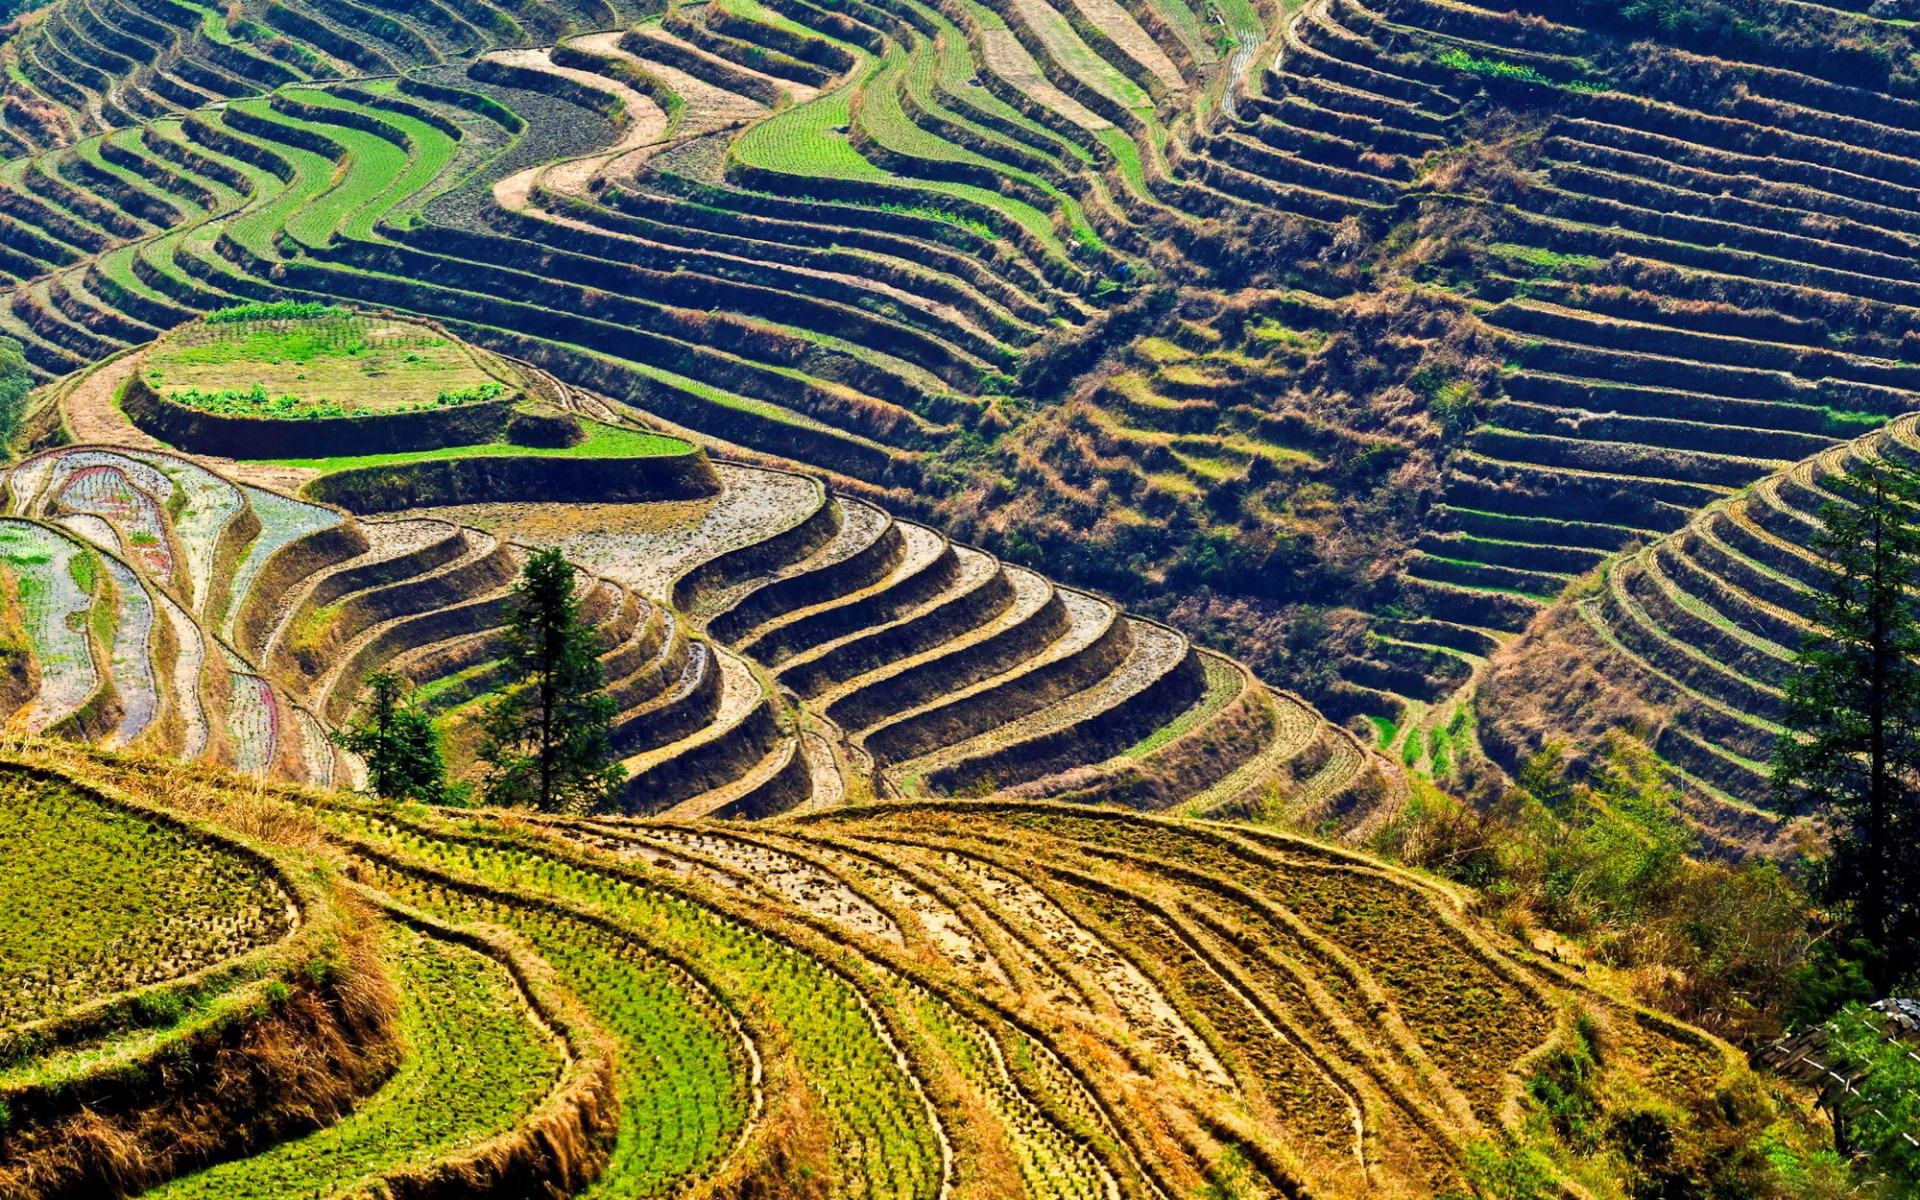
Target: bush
161, 1009
274, 310
1457, 59
1882, 1109
255, 402
478, 393
1563, 1087
1605, 861
1497, 1172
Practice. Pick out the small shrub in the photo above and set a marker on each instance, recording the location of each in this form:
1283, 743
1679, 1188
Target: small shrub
1494, 68
161, 1009
476, 394
274, 310
1498, 1172
1563, 1087
256, 402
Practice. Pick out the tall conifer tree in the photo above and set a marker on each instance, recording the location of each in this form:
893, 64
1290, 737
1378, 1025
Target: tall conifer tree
1852, 746
548, 742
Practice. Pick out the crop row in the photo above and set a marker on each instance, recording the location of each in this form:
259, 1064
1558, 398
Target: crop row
167, 901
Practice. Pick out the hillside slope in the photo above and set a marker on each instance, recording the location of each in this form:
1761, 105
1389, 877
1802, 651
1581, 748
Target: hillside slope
909, 1001
1691, 638
771, 645
1526, 288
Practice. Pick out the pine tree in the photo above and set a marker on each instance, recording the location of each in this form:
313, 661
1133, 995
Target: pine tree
547, 739
1852, 713
16, 380
398, 743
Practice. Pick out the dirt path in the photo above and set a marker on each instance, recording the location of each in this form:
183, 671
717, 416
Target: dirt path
646, 126
93, 417
708, 107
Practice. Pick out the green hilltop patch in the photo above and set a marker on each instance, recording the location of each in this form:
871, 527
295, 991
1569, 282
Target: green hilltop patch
309, 360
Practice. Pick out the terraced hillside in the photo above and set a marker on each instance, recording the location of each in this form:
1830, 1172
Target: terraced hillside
849, 653
913, 385
1522, 291
1693, 272
771, 645
907, 1001
1692, 637
1641, 280
127, 577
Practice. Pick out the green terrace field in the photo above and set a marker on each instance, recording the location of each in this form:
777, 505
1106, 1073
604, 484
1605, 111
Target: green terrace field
444, 1100
873, 1002
165, 901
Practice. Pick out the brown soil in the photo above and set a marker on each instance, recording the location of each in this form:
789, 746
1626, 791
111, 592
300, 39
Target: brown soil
708, 107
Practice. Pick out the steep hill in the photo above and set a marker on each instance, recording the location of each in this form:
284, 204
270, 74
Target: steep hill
1690, 637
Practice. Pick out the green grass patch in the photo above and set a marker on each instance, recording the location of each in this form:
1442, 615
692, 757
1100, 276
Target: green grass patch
1223, 684
1496, 68
603, 441
477, 1063
102, 898
331, 363
1384, 729
1547, 262
273, 310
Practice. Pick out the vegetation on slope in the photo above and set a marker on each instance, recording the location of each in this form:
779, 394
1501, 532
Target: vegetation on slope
872, 1002
1353, 336
601, 441
231, 1046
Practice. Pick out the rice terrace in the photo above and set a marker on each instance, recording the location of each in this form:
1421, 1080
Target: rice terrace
960, 599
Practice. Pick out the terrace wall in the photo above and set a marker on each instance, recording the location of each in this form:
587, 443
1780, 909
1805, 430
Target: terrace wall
512, 479
321, 437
